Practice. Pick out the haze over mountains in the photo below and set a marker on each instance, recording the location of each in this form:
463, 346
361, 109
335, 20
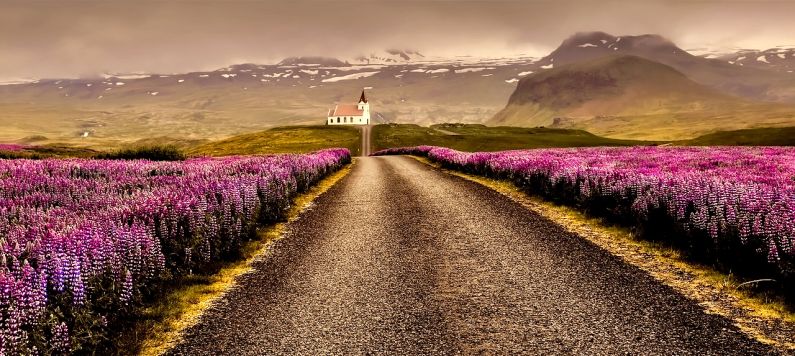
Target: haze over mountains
627, 86
247, 97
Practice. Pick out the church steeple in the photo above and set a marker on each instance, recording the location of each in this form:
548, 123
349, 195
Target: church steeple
363, 99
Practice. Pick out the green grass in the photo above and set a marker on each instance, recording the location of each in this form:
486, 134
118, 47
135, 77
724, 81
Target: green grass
287, 139
483, 138
777, 136
48, 151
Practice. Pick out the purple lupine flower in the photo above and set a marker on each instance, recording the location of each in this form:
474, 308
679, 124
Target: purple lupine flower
743, 194
86, 221
61, 343
127, 288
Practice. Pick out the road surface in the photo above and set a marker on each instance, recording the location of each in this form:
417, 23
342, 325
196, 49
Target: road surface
366, 140
400, 258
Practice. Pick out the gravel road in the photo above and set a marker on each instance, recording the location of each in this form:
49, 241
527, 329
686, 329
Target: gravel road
366, 145
400, 258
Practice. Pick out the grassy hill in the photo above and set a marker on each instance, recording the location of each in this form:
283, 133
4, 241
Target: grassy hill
783, 136
472, 137
466, 137
286, 139
46, 151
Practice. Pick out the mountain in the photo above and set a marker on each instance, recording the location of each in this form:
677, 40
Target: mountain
631, 97
312, 61
584, 46
390, 56
781, 59
616, 85
723, 75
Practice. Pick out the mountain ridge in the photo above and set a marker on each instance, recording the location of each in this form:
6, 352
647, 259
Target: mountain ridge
748, 82
604, 94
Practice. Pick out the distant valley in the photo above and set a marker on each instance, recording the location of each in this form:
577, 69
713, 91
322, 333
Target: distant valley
248, 97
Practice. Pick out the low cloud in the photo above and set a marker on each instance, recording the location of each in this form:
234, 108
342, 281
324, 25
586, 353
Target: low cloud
83, 38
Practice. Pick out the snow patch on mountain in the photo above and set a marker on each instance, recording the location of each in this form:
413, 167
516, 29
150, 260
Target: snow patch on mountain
350, 77
355, 67
130, 76
472, 70
16, 81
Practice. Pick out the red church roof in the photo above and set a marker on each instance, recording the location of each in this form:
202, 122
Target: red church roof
347, 110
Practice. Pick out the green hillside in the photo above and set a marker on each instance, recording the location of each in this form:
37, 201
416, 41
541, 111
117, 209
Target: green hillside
468, 137
783, 136
287, 139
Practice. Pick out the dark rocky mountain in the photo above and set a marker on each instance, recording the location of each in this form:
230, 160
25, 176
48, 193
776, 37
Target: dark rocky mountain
584, 46
749, 82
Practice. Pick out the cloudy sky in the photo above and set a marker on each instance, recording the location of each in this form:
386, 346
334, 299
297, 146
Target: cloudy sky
70, 38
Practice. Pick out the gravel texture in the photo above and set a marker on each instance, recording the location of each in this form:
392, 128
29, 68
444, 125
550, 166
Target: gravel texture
400, 258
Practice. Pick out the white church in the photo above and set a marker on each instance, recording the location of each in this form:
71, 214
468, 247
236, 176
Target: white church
350, 114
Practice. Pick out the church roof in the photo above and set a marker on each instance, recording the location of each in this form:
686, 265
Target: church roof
346, 110
362, 98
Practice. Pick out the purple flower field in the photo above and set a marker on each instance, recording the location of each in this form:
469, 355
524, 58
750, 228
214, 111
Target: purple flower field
734, 206
11, 147
82, 240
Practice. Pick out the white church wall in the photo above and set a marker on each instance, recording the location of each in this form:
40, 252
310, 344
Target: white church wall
363, 119
348, 120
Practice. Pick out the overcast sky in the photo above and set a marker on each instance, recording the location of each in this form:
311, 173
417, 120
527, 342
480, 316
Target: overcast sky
68, 38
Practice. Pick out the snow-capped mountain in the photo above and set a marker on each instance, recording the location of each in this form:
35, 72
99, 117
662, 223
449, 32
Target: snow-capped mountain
589, 45
390, 56
779, 58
